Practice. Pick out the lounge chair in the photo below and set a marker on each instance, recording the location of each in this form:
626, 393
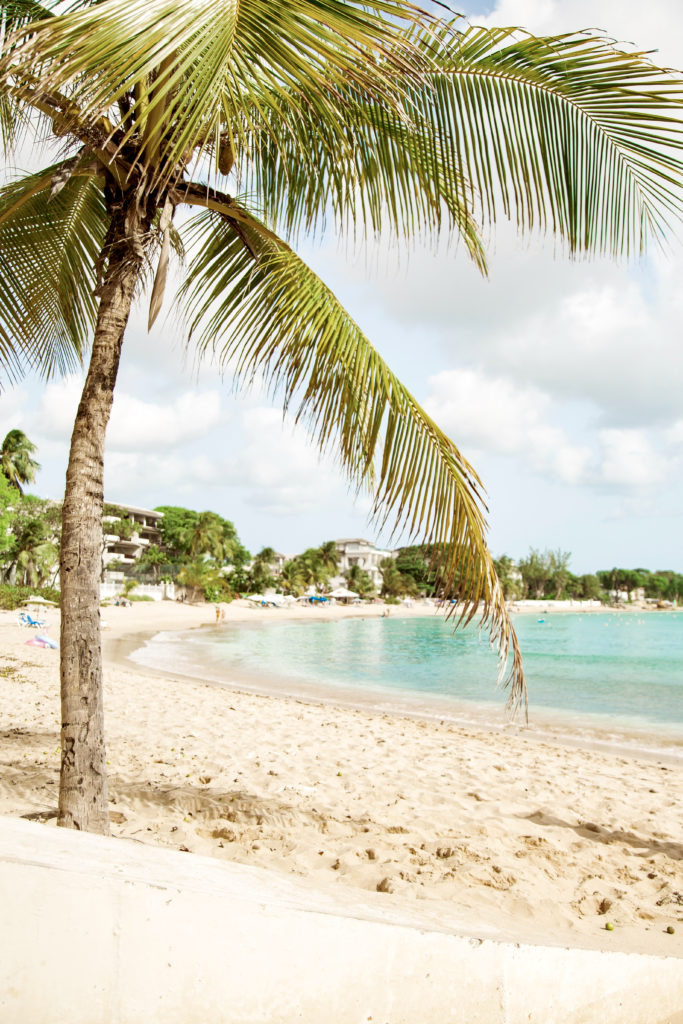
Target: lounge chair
26, 620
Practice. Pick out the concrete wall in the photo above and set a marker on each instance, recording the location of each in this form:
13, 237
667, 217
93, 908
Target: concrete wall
568, 605
157, 591
104, 931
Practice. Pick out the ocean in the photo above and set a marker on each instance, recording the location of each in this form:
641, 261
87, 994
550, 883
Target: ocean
610, 670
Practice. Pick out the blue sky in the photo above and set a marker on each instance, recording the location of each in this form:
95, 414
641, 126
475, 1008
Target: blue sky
561, 382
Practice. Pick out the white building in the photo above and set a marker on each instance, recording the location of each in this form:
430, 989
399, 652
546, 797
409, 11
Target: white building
125, 550
355, 551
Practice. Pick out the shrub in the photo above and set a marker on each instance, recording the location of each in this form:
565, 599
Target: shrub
12, 597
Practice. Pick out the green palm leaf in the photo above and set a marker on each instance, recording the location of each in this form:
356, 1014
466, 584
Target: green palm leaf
200, 67
370, 169
48, 253
564, 132
263, 312
15, 15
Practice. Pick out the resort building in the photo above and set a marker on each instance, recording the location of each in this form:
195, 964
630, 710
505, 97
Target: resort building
123, 543
355, 551
277, 562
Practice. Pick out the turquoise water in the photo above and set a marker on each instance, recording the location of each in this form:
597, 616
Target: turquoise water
626, 669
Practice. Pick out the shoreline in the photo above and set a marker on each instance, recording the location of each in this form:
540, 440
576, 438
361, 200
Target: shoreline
527, 838
582, 730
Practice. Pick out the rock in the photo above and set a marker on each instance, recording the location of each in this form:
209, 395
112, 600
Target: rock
224, 833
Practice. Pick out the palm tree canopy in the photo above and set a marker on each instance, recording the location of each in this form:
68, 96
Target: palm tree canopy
204, 535
16, 462
367, 116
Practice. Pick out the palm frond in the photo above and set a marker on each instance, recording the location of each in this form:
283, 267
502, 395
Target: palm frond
564, 132
14, 16
202, 67
369, 168
253, 303
48, 252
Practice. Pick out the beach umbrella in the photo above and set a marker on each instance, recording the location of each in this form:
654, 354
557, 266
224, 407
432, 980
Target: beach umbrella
40, 600
342, 592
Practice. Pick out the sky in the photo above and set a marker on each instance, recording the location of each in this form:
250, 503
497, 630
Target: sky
562, 382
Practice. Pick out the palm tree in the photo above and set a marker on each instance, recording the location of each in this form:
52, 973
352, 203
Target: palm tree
374, 116
204, 536
359, 580
293, 578
197, 576
260, 573
16, 462
152, 558
36, 555
328, 555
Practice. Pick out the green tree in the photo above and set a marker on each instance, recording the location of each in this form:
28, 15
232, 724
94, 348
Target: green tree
317, 567
372, 116
199, 577
536, 573
260, 575
293, 577
510, 577
590, 588
185, 532
7, 516
623, 580
36, 555
174, 528
32, 526
152, 558
395, 583
359, 581
16, 459
558, 564
204, 535
418, 562
328, 555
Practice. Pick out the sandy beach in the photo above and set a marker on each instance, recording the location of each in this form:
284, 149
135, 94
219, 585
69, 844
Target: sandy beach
512, 832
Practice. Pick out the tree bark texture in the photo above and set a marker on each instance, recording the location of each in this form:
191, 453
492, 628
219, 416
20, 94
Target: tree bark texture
83, 793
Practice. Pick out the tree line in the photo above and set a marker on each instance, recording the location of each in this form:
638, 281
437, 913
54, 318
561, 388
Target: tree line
546, 575
202, 552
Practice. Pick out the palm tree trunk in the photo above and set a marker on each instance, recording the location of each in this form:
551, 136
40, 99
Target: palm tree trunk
83, 795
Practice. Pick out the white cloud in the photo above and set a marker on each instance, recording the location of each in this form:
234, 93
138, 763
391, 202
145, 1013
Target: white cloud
495, 415
137, 423
656, 25
629, 459
674, 434
127, 474
58, 405
281, 472
13, 410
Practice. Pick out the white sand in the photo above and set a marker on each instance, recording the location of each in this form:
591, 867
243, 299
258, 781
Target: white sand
509, 830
